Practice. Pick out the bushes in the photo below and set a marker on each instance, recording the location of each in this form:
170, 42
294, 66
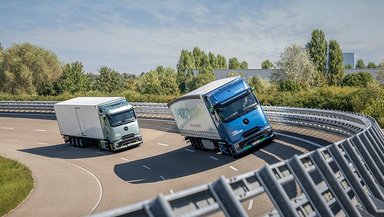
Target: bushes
359, 79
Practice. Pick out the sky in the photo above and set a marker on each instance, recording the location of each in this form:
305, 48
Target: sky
137, 36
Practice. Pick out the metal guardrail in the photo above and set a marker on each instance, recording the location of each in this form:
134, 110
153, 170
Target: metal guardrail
341, 179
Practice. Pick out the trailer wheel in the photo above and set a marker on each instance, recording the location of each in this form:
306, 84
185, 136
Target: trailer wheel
72, 141
193, 143
80, 142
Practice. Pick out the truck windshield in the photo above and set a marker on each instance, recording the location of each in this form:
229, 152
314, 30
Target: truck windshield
121, 118
237, 107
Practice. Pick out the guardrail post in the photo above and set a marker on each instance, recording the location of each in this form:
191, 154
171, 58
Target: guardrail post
362, 169
276, 192
159, 207
356, 141
355, 184
309, 187
226, 198
334, 184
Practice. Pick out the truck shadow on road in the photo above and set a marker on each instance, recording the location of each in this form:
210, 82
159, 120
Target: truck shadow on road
171, 165
67, 151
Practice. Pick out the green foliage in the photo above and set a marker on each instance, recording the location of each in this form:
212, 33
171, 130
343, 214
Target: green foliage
317, 49
361, 79
296, 67
243, 65
161, 81
360, 64
233, 63
15, 184
258, 84
221, 61
234, 74
204, 76
185, 68
27, 68
371, 65
348, 66
289, 85
266, 64
109, 80
213, 61
74, 79
380, 73
336, 69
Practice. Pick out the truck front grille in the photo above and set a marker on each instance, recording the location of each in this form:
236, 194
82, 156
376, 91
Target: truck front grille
251, 132
127, 137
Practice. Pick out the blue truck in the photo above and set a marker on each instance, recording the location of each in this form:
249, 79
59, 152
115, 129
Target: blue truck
224, 115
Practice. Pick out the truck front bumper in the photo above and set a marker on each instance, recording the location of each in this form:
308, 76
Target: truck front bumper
128, 141
253, 140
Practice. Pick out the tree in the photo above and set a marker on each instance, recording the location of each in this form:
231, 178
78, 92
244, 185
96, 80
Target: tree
27, 68
161, 81
233, 63
197, 55
336, 69
361, 79
222, 62
348, 66
213, 61
74, 78
185, 67
371, 65
317, 49
109, 80
296, 66
360, 64
266, 64
243, 65
204, 76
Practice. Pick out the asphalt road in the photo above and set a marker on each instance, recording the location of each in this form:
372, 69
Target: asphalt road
71, 181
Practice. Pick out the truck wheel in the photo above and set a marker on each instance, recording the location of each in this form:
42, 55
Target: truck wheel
233, 154
193, 143
80, 142
201, 145
72, 141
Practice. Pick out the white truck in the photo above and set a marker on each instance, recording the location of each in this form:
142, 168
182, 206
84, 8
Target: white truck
223, 114
109, 122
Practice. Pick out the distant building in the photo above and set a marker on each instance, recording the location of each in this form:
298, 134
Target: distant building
349, 58
246, 73
266, 73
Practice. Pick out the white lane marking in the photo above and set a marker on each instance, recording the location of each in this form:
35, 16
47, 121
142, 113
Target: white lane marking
301, 139
42, 143
7, 128
98, 182
12, 140
162, 144
250, 204
233, 168
136, 180
146, 167
213, 158
189, 150
40, 130
162, 177
272, 154
171, 191
124, 159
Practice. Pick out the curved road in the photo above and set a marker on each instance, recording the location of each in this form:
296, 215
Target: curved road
77, 182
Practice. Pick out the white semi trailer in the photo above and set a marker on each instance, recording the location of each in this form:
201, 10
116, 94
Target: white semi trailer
109, 122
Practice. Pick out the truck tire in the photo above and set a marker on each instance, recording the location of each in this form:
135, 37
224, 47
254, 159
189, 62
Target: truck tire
72, 141
232, 153
80, 142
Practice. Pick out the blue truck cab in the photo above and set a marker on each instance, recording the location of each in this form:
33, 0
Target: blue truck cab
223, 114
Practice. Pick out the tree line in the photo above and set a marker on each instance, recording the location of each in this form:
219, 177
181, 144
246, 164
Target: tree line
29, 69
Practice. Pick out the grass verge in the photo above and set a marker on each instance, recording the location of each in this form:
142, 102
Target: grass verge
16, 182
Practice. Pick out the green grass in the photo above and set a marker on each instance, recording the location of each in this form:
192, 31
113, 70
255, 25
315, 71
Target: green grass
15, 184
